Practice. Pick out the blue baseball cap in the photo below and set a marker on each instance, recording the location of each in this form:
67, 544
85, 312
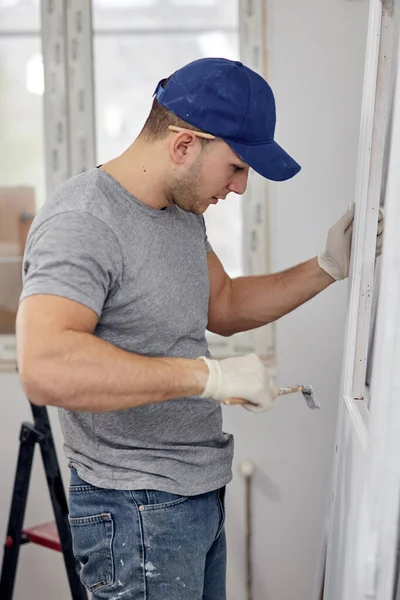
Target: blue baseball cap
232, 102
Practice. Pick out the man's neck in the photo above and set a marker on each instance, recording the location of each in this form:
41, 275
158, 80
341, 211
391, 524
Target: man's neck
138, 171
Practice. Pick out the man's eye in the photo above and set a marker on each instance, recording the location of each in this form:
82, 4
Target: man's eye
237, 169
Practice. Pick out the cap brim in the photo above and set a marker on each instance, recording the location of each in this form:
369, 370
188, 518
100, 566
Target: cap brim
269, 160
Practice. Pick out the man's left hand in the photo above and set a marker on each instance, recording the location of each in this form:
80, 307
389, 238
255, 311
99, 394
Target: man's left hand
335, 260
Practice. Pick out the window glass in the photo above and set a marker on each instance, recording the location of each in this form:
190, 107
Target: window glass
19, 16
21, 161
165, 14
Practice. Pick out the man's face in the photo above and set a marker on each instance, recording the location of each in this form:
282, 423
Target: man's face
208, 178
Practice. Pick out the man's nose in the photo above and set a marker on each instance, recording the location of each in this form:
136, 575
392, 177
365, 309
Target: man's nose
238, 184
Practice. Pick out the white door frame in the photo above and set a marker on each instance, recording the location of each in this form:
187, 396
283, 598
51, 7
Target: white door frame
358, 530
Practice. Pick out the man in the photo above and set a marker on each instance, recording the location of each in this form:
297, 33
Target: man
120, 285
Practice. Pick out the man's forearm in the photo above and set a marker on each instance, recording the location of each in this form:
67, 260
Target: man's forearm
79, 371
258, 300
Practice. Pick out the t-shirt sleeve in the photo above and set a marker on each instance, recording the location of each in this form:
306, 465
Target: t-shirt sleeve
73, 255
207, 243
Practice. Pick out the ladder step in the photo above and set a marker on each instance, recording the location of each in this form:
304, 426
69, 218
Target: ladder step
44, 535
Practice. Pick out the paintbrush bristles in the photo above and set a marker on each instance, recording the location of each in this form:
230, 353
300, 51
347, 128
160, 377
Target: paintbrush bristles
310, 397
308, 394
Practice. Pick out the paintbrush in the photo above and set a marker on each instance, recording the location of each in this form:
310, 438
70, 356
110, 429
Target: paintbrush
308, 394
307, 391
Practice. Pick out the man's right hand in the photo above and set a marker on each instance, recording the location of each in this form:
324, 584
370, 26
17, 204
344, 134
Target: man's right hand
242, 377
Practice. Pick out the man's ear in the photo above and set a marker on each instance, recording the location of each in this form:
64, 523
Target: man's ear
181, 145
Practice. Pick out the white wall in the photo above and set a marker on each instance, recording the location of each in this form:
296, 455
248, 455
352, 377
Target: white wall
316, 65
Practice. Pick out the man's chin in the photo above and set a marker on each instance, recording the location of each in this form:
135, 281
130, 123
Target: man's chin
200, 210
197, 208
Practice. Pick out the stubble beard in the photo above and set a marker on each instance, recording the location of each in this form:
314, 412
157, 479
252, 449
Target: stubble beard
184, 193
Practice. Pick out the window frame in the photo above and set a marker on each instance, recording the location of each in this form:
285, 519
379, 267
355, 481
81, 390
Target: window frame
67, 79
371, 173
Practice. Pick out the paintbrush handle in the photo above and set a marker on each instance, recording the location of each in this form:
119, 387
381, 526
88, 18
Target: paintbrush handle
282, 392
290, 390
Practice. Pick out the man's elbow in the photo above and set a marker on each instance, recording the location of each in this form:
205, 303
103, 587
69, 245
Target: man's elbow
220, 328
34, 383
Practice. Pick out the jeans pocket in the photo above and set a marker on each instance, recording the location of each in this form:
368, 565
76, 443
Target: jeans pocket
92, 539
155, 500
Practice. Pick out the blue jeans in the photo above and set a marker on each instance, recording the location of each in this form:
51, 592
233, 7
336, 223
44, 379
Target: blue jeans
148, 545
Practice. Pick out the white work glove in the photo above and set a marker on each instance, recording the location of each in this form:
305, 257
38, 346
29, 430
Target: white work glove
242, 377
336, 259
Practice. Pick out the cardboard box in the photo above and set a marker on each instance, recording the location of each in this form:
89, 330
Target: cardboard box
17, 210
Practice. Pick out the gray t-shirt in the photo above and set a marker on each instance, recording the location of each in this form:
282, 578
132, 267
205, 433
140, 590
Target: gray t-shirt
144, 272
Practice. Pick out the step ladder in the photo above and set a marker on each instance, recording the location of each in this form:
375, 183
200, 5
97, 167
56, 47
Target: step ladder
56, 535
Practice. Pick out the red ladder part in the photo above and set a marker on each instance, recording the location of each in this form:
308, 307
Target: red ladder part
45, 535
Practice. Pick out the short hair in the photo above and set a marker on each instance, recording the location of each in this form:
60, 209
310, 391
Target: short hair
159, 119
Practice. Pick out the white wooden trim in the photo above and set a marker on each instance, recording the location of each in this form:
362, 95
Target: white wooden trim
67, 46
81, 105
256, 217
347, 403
357, 410
374, 126
253, 37
380, 524
55, 97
